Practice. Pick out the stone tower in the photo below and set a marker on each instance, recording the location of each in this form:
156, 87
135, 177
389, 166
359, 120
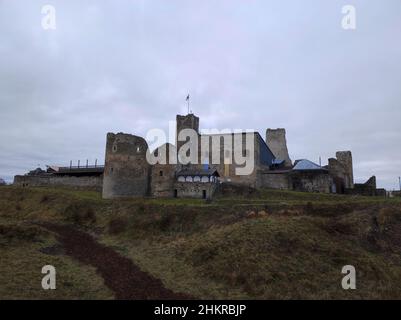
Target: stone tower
190, 121
345, 158
126, 172
275, 139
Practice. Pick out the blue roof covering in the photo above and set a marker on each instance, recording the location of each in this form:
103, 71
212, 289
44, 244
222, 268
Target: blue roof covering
306, 165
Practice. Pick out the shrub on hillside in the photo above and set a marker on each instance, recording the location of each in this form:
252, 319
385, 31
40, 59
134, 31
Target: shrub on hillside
15, 233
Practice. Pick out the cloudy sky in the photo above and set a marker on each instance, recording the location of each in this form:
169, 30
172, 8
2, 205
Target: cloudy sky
127, 66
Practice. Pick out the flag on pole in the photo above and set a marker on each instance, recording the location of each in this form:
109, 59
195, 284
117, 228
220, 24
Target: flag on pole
187, 99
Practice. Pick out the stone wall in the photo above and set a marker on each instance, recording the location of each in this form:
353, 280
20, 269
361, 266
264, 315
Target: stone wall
163, 173
337, 171
345, 158
126, 172
310, 181
194, 189
227, 166
274, 180
276, 140
83, 182
369, 188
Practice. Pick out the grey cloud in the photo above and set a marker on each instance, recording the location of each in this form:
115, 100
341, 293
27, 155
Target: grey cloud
127, 66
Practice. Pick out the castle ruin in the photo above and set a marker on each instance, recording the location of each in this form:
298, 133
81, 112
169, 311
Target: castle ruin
128, 173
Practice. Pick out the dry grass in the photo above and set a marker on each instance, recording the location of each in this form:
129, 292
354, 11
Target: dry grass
215, 250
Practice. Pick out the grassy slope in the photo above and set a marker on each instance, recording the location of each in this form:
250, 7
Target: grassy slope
212, 250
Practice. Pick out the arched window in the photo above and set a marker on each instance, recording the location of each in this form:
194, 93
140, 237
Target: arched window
188, 179
205, 179
181, 179
197, 179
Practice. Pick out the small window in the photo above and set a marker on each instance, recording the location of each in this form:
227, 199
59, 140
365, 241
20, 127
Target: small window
111, 170
138, 149
114, 148
161, 173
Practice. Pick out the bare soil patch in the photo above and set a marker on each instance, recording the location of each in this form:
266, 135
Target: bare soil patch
120, 274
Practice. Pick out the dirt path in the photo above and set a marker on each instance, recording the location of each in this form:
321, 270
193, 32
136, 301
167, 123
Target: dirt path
120, 274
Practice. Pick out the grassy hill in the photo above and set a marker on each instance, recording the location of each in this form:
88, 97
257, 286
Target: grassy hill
266, 245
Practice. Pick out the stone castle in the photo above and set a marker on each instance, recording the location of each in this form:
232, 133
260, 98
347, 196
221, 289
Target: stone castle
128, 173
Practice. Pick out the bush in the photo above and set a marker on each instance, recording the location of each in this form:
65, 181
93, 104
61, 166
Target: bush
13, 233
338, 227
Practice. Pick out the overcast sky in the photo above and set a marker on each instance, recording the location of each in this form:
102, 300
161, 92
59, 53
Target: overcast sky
127, 66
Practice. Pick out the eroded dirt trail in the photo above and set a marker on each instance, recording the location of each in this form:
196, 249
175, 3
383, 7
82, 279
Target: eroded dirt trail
120, 274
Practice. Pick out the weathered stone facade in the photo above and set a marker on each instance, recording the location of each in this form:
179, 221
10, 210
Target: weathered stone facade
163, 175
129, 173
50, 180
126, 172
309, 181
274, 179
272, 166
345, 158
368, 188
276, 140
197, 190
341, 169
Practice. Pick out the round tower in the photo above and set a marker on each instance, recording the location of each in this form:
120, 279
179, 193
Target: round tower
126, 171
